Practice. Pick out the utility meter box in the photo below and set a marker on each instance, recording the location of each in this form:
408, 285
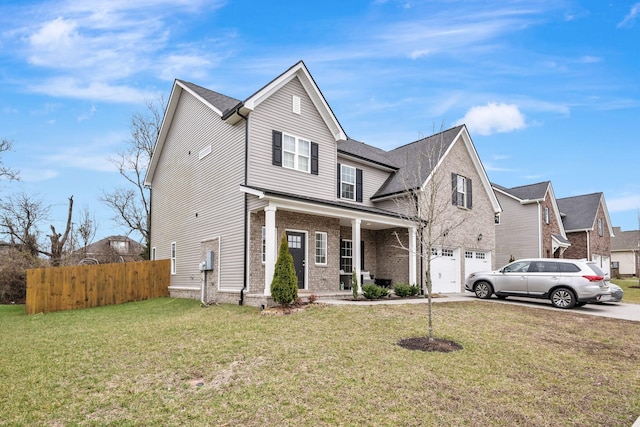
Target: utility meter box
209, 261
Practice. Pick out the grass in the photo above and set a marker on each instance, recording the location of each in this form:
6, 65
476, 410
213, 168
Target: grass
631, 289
169, 362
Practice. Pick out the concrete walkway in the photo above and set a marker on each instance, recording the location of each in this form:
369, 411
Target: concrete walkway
616, 310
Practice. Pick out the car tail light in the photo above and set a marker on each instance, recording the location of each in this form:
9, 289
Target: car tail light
594, 278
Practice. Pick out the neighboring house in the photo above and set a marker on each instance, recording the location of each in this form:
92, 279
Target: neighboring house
229, 178
530, 224
625, 250
588, 226
110, 249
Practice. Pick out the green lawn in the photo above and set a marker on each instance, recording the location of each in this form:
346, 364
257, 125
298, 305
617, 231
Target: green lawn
169, 362
631, 294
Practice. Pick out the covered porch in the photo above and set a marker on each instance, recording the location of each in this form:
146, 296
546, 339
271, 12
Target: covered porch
329, 241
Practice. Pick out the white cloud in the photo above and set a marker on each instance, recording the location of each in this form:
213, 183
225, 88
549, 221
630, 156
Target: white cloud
630, 20
493, 118
76, 88
624, 203
36, 175
87, 115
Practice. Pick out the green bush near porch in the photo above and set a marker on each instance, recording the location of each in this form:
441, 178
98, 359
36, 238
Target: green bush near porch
284, 286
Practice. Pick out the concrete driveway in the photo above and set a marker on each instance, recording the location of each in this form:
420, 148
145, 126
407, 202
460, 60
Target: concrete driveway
614, 310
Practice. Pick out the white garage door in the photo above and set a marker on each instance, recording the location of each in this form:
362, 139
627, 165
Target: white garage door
445, 270
476, 261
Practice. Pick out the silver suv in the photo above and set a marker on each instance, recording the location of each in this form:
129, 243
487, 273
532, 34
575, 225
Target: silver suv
566, 282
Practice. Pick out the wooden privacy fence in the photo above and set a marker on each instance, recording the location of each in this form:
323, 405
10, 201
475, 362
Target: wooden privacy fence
84, 286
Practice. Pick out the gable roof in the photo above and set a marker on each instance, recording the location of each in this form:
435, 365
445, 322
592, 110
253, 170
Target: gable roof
526, 193
625, 240
411, 158
232, 110
580, 212
422, 156
299, 71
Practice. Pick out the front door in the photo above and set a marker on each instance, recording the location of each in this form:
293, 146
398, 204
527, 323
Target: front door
296, 242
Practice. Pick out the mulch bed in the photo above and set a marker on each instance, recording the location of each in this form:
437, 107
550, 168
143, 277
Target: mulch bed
425, 344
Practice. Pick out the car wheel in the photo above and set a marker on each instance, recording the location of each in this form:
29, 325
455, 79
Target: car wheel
483, 290
563, 298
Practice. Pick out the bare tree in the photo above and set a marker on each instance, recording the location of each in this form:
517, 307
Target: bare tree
131, 204
19, 218
429, 201
86, 230
58, 240
6, 172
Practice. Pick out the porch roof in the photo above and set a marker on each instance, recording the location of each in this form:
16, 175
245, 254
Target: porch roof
394, 218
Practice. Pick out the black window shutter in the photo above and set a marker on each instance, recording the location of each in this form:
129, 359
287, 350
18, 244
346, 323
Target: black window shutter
276, 149
454, 188
361, 254
314, 158
358, 185
339, 184
469, 192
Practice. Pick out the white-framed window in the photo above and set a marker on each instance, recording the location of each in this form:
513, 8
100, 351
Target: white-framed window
481, 255
296, 153
153, 253
434, 251
461, 191
468, 254
447, 252
346, 256
173, 257
546, 215
321, 248
347, 182
600, 228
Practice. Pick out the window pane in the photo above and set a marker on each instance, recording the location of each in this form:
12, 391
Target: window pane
348, 191
289, 143
288, 160
303, 164
346, 261
321, 248
303, 147
348, 174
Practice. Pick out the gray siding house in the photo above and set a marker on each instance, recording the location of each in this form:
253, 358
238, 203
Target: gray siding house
530, 225
229, 178
625, 252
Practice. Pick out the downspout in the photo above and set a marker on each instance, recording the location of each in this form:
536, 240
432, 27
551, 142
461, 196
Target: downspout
246, 204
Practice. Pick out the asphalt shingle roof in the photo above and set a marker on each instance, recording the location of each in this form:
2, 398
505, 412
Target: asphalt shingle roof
625, 240
527, 192
580, 211
417, 160
366, 152
221, 102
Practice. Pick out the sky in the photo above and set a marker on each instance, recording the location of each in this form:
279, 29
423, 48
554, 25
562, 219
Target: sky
549, 90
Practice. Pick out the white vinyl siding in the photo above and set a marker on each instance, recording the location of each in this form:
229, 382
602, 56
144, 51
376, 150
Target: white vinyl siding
187, 207
274, 114
517, 234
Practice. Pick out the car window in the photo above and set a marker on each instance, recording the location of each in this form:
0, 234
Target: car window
596, 269
517, 267
566, 267
543, 267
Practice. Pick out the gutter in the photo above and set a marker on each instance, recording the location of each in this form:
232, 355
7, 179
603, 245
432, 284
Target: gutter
246, 205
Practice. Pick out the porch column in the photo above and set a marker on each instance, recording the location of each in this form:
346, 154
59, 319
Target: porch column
355, 247
270, 247
412, 256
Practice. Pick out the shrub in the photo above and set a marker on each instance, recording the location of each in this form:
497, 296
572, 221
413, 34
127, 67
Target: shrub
374, 291
13, 274
403, 290
284, 286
